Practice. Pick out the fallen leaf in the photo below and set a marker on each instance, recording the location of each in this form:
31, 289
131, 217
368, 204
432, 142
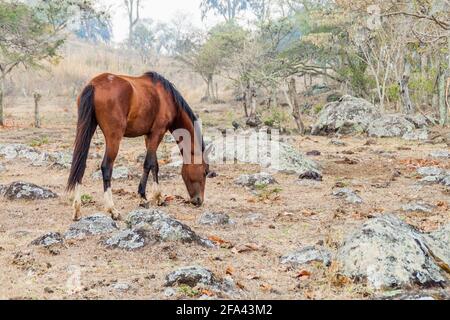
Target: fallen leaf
240, 285
229, 270
245, 248
303, 274
207, 292
265, 287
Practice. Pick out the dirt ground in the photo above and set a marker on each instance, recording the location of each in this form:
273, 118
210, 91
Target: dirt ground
297, 214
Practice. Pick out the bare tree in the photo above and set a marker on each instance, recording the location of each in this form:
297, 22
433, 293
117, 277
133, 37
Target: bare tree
133, 8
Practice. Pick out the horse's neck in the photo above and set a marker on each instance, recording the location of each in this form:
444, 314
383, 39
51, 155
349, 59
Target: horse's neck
184, 122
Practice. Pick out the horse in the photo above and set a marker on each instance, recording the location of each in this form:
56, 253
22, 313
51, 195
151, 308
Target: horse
127, 106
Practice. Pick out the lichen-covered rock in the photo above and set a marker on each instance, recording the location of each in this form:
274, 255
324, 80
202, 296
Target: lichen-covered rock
191, 276
162, 227
264, 150
390, 125
91, 225
416, 135
127, 240
60, 159
434, 175
307, 255
388, 253
348, 115
348, 194
24, 190
439, 244
197, 276
17, 150
48, 239
119, 173
215, 218
257, 179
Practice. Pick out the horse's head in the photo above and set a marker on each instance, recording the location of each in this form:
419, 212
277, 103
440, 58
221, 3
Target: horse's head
194, 176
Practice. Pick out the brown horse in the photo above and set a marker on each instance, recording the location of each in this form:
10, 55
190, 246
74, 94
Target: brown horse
125, 106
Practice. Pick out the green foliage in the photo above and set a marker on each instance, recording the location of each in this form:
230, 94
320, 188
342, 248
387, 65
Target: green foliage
86, 198
393, 92
188, 291
277, 118
39, 141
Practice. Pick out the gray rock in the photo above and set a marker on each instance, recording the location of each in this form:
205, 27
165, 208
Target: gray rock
388, 253
3, 189
348, 194
253, 217
440, 154
48, 239
419, 206
119, 173
416, 135
420, 121
215, 218
348, 115
430, 171
439, 243
390, 125
259, 148
59, 159
17, 150
338, 143
121, 286
28, 191
193, 276
307, 255
91, 225
169, 292
126, 239
158, 226
257, 179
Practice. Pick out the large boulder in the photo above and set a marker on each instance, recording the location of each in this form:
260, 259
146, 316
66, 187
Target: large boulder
388, 253
24, 190
392, 125
263, 149
348, 115
307, 255
253, 180
158, 226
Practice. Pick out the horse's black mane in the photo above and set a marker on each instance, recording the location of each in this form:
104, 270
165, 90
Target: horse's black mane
177, 98
176, 95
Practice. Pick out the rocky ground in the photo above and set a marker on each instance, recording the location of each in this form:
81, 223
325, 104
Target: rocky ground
358, 217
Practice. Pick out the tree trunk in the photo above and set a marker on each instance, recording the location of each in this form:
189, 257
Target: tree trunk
443, 111
2, 93
295, 105
244, 100
408, 107
252, 101
37, 118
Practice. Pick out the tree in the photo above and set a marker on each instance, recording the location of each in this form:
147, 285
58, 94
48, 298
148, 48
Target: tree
143, 40
30, 36
94, 27
133, 8
228, 9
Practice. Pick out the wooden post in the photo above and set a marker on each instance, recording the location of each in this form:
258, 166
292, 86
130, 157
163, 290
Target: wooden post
37, 119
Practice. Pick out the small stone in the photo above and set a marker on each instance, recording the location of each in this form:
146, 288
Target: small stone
91, 225
48, 239
311, 175
170, 292
338, 143
349, 195
119, 173
418, 207
440, 154
121, 286
215, 218
192, 276
253, 217
313, 153
307, 255
253, 180
126, 239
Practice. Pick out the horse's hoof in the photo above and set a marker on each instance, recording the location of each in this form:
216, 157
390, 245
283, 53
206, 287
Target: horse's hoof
115, 215
144, 204
76, 216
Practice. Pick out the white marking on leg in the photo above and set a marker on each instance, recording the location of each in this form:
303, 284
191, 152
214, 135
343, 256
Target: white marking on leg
109, 203
156, 193
77, 202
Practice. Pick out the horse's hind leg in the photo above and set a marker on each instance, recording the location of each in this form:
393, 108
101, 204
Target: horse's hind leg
77, 203
151, 164
112, 148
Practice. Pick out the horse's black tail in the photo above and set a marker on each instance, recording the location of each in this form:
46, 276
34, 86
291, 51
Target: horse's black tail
86, 126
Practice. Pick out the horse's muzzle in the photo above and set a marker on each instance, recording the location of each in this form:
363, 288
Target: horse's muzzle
197, 201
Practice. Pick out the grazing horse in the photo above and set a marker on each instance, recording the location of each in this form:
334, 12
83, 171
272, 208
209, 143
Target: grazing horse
125, 106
